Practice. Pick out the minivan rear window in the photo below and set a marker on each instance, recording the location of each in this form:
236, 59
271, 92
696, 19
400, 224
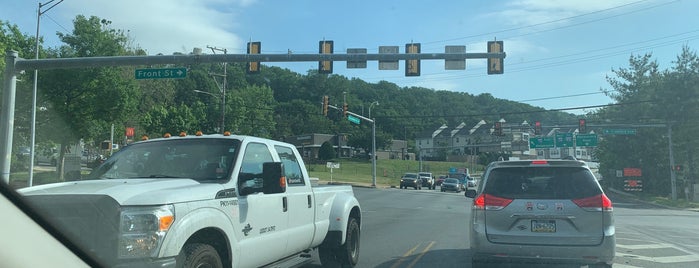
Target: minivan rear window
541, 183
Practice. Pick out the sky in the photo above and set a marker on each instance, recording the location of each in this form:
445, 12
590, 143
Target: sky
559, 52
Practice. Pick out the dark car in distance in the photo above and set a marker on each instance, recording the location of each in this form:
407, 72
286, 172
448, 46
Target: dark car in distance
550, 211
411, 180
440, 179
451, 184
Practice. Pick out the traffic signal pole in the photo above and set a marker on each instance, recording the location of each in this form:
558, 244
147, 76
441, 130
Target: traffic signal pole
373, 140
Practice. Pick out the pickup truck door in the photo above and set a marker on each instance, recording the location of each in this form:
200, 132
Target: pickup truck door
262, 219
301, 226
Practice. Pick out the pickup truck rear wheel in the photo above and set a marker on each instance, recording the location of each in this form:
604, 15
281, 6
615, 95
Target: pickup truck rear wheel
200, 256
346, 255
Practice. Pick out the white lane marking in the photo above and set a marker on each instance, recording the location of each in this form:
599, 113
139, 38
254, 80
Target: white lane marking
619, 265
668, 259
646, 246
690, 257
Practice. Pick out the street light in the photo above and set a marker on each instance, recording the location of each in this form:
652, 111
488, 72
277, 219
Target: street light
221, 87
371, 105
373, 145
34, 92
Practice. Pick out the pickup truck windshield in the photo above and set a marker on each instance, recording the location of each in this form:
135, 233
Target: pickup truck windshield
201, 160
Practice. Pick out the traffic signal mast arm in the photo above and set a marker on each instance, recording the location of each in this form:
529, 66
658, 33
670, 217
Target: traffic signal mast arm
351, 113
67, 63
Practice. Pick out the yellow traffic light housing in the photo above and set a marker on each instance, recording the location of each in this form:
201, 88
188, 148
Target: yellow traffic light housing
495, 65
412, 67
326, 101
344, 110
325, 67
254, 66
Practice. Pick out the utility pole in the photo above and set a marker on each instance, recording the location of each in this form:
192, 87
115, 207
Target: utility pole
34, 92
673, 177
221, 87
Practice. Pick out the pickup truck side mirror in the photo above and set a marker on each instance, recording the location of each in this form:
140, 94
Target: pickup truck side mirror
273, 178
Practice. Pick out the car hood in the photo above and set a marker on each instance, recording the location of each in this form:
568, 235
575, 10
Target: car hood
133, 191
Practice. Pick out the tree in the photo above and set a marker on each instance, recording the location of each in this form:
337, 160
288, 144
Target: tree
326, 151
361, 139
11, 38
255, 107
87, 102
646, 95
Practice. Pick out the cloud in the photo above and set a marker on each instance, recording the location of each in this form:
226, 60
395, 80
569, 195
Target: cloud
163, 26
532, 12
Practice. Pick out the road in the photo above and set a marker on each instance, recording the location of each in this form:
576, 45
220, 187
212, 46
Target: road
423, 228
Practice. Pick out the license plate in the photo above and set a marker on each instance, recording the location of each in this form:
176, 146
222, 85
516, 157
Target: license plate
543, 226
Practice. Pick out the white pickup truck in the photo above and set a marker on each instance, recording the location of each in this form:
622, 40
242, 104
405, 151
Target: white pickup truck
204, 201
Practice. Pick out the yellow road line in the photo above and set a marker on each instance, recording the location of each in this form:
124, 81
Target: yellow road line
395, 265
410, 252
427, 248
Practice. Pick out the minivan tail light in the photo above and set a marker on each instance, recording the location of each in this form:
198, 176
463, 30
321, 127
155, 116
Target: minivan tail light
490, 202
598, 202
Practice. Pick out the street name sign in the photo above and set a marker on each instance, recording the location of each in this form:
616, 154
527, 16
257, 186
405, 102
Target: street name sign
564, 140
586, 140
353, 119
161, 73
622, 131
541, 142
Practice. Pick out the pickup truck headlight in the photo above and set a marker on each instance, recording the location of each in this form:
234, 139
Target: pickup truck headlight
142, 230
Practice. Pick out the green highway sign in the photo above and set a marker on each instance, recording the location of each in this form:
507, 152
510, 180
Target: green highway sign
586, 140
541, 142
353, 119
162, 73
622, 131
564, 140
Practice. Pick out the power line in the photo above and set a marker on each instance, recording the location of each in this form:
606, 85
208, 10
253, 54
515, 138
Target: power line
519, 112
555, 21
441, 76
565, 96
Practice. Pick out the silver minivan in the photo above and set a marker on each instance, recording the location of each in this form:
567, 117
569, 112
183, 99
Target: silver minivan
542, 211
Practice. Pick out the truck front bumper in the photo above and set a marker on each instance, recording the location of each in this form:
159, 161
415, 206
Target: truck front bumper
148, 263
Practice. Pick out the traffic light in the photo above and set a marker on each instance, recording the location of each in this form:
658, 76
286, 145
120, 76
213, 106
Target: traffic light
325, 47
326, 100
495, 65
537, 128
498, 128
678, 167
412, 67
344, 110
254, 48
582, 127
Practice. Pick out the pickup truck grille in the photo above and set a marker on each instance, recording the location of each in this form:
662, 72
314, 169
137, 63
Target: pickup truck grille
90, 221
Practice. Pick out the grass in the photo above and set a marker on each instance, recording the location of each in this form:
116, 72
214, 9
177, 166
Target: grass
20, 179
388, 171
679, 203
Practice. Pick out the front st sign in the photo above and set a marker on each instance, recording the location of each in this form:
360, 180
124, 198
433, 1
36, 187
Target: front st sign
162, 73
